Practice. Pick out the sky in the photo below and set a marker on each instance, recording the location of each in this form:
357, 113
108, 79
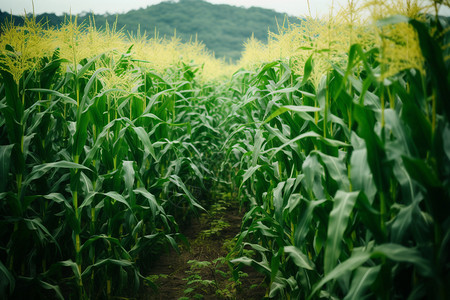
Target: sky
291, 7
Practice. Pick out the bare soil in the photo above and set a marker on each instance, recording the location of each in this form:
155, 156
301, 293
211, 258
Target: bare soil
208, 242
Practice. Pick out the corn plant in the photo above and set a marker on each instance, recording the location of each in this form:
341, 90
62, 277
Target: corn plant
340, 157
342, 179
101, 158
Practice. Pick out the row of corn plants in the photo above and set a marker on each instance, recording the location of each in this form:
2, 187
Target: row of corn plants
340, 158
101, 159
346, 178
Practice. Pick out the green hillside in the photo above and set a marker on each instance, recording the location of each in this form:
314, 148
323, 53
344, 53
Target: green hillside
222, 28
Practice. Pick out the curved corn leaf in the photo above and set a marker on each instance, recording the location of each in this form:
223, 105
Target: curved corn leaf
339, 217
300, 259
356, 260
362, 279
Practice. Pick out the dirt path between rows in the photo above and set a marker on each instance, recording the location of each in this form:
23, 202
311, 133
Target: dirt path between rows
201, 272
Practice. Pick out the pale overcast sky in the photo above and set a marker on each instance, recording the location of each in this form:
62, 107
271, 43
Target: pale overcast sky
292, 7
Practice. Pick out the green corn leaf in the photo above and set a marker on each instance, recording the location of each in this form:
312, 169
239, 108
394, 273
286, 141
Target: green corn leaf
117, 197
361, 176
179, 183
259, 139
13, 102
50, 70
307, 70
264, 69
278, 202
137, 228
7, 279
357, 54
114, 241
376, 154
143, 241
408, 186
270, 232
402, 222
154, 206
128, 174
370, 217
277, 289
399, 253
5, 159
66, 99
248, 173
90, 197
356, 260
322, 94
275, 265
303, 226
81, 133
58, 198
433, 55
40, 230
85, 68
421, 134
309, 134
73, 266
39, 170
293, 202
262, 267
337, 169
362, 279
197, 172
314, 174
300, 259
55, 288
298, 109
144, 137
393, 123
420, 171
83, 117
339, 217
173, 243
104, 262
90, 155
257, 247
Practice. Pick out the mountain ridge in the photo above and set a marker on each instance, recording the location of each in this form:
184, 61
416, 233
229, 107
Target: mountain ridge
222, 28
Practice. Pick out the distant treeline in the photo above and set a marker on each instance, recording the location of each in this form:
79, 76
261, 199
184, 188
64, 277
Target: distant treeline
222, 28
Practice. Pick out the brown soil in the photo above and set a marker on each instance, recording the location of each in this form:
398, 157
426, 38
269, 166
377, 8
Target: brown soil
207, 246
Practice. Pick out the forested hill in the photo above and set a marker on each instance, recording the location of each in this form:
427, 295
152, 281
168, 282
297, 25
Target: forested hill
222, 28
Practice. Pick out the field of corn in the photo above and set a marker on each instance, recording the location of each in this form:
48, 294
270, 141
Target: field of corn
336, 135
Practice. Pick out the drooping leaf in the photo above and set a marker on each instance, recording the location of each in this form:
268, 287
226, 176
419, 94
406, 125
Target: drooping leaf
144, 137
293, 108
362, 279
399, 253
356, 260
299, 258
337, 169
40, 170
